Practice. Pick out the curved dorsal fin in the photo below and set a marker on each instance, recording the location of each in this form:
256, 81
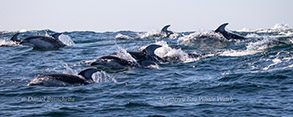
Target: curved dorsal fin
15, 38
221, 28
150, 50
166, 31
56, 35
87, 74
165, 28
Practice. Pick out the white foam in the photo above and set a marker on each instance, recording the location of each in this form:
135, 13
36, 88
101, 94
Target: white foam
238, 52
166, 51
281, 26
252, 47
207, 40
123, 54
23, 30
68, 70
156, 35
121, 36
66, 40
277, 28
102, 76
8, 43
275, 62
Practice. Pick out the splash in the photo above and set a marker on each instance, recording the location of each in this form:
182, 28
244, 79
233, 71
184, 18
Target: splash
204, 40
66, 40
102, 76
5, 43
122, 53
239, 52
156, 35
281, 26
277, 28
173, 55
253, 47
120, 36
68, 69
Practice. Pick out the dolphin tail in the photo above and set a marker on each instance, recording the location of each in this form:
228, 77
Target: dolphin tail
56, 35
87, 74
15, 38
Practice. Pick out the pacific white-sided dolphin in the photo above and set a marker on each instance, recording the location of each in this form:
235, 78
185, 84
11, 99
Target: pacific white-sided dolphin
142, 58
227, 35
165, 31
62, 80
41, 42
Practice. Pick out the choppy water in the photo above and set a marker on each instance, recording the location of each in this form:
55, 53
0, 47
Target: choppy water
233, 78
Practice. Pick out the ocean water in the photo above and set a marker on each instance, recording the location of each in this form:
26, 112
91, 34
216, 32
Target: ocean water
251, 77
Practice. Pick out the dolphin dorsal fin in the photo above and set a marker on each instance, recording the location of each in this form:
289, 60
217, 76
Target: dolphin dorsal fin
15, 38
165, 28
56, 35
150, 50
87, 74
221, 28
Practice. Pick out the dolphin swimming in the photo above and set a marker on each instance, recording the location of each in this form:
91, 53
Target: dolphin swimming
41, 42
227, 35
62, 80
142, 58
165, 31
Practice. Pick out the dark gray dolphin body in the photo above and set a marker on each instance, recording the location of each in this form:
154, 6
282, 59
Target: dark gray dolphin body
113, 62
147, 56
227, 35
61, 80
41, 42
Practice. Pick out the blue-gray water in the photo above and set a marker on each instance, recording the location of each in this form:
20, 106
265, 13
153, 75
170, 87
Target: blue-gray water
245, 78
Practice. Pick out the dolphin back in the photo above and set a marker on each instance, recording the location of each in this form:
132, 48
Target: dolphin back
227, 35
87, 74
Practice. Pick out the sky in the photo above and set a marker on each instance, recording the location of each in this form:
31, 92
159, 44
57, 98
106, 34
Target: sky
142, 15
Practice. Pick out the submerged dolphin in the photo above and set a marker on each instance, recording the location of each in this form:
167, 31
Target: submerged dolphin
41, 42
61, 80
227, 35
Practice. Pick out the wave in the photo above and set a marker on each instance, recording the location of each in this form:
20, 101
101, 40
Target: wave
102, 76
277, 28
204, 40
66, 40
254, 47
173, 54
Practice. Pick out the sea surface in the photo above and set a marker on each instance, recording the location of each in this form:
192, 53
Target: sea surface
251, 77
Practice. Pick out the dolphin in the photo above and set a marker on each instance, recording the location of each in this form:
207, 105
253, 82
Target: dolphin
147, 56
227, 35
166, 31
113, 62
41, 42
62, 80
142, 58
